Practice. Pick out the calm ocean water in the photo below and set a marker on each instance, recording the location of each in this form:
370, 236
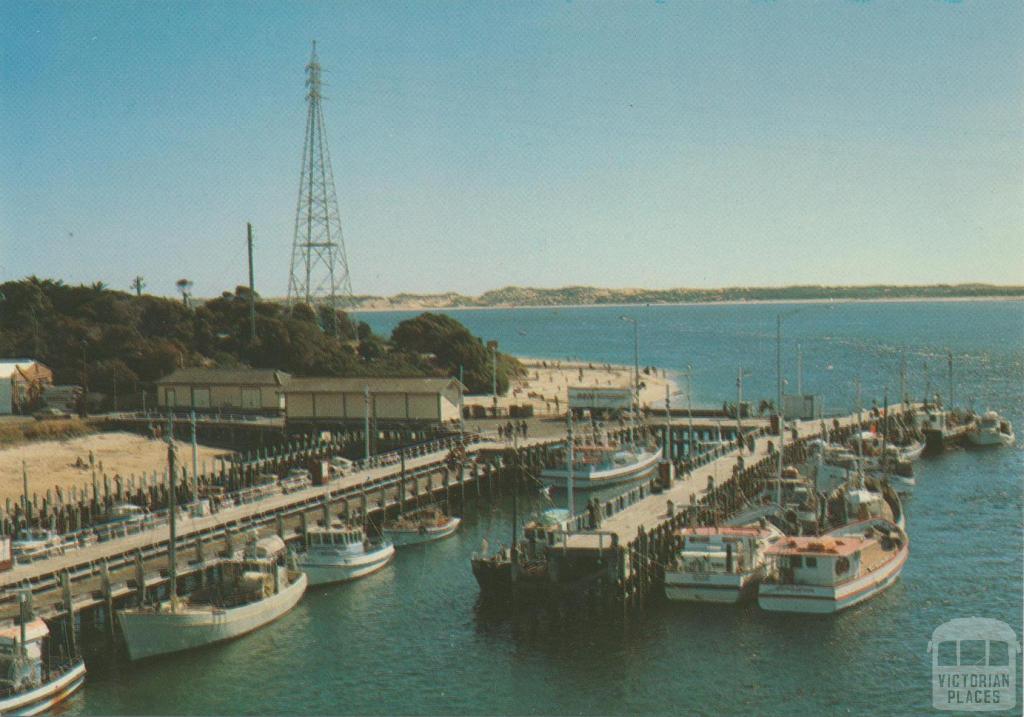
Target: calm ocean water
414, 640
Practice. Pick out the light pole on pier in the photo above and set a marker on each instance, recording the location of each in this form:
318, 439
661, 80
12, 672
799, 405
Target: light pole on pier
366, 423
740, 375
636, 373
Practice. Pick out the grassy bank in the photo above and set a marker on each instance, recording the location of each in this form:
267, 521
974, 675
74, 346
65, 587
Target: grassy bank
16, 431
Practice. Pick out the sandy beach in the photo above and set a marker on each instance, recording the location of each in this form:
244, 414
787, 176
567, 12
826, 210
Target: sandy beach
52, 463
546, 384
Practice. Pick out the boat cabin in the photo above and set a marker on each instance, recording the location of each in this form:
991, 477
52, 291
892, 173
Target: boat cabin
819, 561
721, 550
335, 538
21, 664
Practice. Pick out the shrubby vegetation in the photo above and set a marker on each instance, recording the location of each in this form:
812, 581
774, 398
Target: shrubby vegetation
125, 341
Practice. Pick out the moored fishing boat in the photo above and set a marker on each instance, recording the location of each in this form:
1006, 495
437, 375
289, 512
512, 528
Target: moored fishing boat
835, 571
32, 680
252, 590
598, 466
992, 430
720, 565
422, 526
338, 553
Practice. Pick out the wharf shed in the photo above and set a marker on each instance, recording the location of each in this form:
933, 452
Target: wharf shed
401, 402
247, 390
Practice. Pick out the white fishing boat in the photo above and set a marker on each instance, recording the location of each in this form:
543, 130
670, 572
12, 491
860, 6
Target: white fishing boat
253, 590
835, 571
31, 681
422, 526
992, 430
797, 498
338, 553
599, 466
719, 565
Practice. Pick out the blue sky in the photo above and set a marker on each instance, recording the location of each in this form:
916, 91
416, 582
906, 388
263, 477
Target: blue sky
480, 144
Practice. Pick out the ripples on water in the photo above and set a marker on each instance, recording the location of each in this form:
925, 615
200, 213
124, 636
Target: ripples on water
414, 639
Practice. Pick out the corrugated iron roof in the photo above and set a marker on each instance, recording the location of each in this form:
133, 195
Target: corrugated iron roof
376, 385
227, 377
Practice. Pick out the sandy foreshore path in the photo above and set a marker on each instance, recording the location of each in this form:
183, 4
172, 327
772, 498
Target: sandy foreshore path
546, 384
52, 463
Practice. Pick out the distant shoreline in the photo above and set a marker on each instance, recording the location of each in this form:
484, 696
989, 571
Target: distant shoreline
724, 302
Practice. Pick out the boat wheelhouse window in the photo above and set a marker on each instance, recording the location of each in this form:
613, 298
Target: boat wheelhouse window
811, 562
795, 561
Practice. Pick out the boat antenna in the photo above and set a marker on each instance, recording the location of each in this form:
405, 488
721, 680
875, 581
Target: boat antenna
860, 437
172, 556
779, 412
885, 431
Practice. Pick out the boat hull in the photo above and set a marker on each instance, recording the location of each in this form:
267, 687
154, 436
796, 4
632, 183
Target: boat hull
401, 537
494, 577
775, 597
725, 589
346, 569
44, 697
149, 634
558, 478
986, 439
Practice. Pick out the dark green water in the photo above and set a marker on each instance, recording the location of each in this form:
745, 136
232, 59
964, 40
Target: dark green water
413, 639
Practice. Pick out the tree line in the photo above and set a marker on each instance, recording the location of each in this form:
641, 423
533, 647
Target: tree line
118, 343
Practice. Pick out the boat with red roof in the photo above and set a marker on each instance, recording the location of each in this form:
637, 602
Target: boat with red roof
835, 571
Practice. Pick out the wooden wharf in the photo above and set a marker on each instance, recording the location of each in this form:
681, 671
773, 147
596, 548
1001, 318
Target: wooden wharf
617, 549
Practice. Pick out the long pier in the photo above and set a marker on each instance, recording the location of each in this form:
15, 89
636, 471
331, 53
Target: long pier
103, 574
617, 549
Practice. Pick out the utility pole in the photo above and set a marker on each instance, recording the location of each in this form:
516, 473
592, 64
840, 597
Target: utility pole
172, 510
252, 287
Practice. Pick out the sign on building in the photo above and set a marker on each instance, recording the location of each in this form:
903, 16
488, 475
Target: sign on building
582, 398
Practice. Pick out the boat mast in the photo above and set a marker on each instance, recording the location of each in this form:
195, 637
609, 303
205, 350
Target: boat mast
778, 406
739, 408
949, 357
568, 465
860, 436
172, 556
885, 430
903, 377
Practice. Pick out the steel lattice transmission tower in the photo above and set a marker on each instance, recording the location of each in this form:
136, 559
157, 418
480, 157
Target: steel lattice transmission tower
319, 272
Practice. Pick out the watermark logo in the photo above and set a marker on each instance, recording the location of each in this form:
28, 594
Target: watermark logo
974, 665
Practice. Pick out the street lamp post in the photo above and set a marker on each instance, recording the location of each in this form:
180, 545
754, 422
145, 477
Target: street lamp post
636, 373
740, 375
